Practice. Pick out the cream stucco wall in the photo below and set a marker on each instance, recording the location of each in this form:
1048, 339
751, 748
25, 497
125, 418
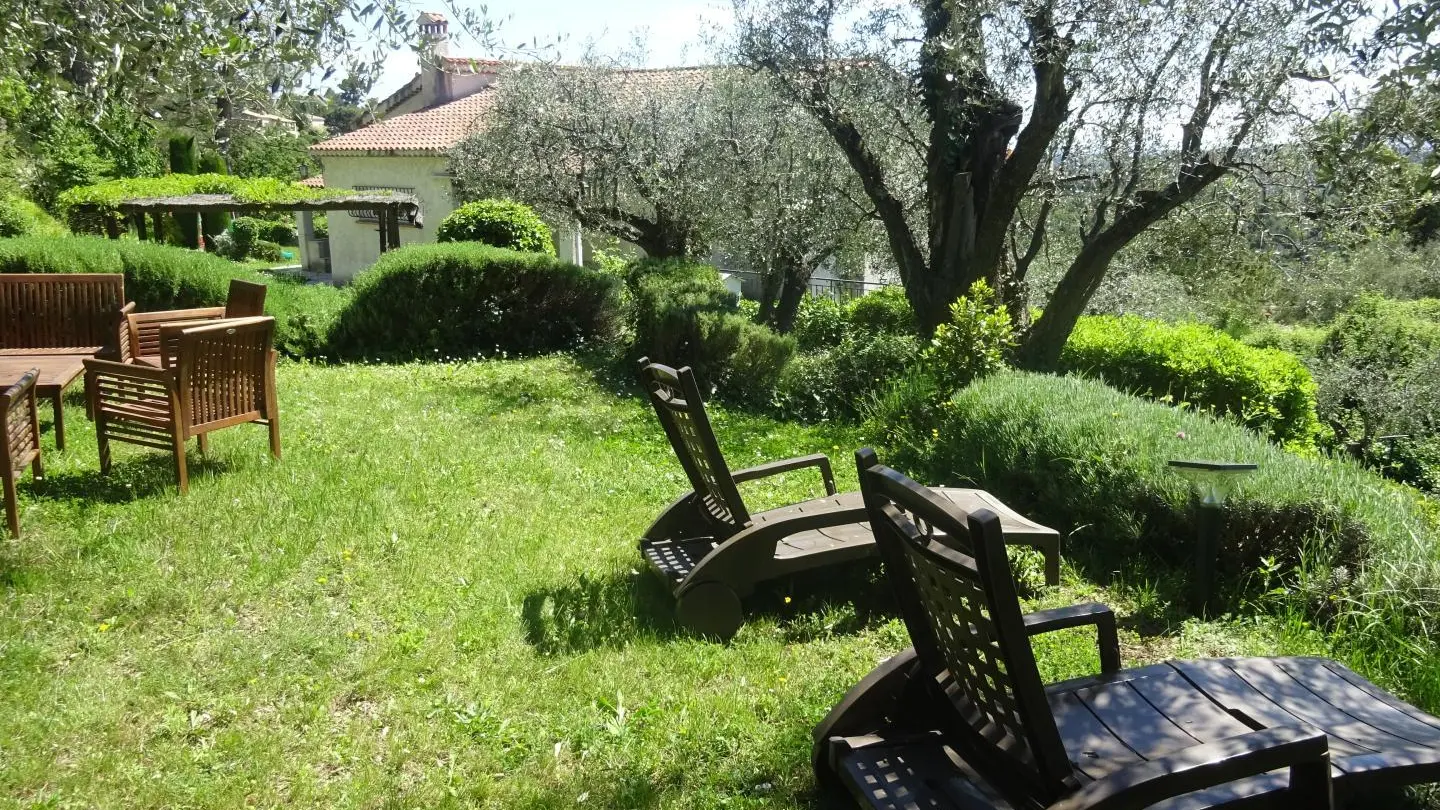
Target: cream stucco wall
355, 243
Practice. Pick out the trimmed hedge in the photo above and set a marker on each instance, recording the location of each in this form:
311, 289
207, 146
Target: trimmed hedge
684, 316
885, 311
159, 277
1091, 462
464, 299
1266, 389
499, 223
21, 217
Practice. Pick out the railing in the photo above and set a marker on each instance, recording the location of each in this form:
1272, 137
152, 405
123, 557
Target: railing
838, 289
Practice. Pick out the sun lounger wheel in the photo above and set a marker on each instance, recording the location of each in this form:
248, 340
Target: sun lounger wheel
711, 608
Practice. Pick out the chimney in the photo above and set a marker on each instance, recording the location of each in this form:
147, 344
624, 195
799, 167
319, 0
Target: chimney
435, 31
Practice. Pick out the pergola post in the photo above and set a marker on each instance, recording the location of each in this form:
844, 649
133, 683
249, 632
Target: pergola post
139, 220
393, 226
383, 229
112, 228
158, 217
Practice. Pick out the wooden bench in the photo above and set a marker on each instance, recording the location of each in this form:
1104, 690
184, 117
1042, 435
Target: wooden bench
52, 321
962, 718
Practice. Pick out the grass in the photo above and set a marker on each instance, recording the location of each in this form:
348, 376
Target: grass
435, 601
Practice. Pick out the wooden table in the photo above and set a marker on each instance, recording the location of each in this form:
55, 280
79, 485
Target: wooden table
57, 372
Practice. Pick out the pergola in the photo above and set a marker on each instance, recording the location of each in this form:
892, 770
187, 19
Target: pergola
389, 208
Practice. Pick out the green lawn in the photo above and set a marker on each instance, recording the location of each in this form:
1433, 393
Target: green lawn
434, 601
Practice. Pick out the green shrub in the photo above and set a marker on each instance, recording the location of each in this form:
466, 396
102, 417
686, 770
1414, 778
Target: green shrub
1091, 462
21, 217
840, 382
819, 323
267, 251
1379, 387
1302, 341
1200, 367
460, 300
886, 310
159, 277
499, 223
744, 358
977, 340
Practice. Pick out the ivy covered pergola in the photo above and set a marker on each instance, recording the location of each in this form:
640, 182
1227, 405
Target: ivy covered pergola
144, 202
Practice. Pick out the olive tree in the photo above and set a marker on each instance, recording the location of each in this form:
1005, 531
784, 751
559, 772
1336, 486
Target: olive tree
623, 152
964, 122
788, 203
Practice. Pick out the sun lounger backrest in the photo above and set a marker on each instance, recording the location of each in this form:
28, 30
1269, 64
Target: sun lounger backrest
952, 579
676, 398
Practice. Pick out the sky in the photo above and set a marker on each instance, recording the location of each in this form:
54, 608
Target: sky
669, 26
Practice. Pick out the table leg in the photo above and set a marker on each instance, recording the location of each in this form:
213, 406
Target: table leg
59, 421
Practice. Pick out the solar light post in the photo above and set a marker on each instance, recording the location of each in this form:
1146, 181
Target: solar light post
1211, 483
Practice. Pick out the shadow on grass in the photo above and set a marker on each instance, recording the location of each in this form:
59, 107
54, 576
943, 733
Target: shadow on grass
589, 612
835, 601
130, 479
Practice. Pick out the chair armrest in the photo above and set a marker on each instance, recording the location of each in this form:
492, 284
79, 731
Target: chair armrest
121, 350
800, 462
1306, 752
128, 371
1091, 613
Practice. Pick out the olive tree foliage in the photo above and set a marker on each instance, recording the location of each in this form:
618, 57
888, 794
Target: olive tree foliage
787, 204
622, 152
195, 60
991, 111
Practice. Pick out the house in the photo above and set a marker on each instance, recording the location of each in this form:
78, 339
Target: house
406, 151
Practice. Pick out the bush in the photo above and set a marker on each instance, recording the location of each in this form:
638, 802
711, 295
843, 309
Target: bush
977, 340
1302, 341
745, 357
1200, 367
885, 311
1091, 462
159, 277
266, 251
1379, 387
819, 323
499, 223
460, 300
21, 217
842, 381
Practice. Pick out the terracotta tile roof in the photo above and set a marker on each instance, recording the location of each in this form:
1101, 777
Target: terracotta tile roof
426, 132
318, 181
464, 64
434, 130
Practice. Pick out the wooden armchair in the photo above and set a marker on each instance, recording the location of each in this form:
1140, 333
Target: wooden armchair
141, 342
962, 718
222, 374
21, 445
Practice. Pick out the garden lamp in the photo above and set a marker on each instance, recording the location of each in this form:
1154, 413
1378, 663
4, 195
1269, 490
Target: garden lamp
1211, 482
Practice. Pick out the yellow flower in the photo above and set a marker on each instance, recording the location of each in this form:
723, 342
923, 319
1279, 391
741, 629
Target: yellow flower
321, 580
787, 600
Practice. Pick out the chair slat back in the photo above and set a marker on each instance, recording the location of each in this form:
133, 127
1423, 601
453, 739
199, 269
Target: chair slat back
17, 407
246, 299
676, 398
59, 310
957, 596
222, 368
144, 328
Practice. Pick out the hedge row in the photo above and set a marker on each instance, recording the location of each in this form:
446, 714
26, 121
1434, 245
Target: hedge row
422, 301
1267, 389
160, 277
460, 299
1092, 462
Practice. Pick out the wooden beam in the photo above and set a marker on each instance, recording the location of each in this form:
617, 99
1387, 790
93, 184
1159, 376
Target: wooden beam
384, 231
158, 217
112, 227
139, 220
